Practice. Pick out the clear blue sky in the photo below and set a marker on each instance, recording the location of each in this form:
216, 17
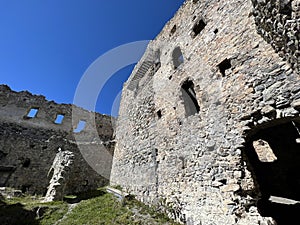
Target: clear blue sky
47, 45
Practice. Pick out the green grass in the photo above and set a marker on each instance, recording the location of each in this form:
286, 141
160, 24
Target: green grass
105, 209
100, 208
53, 214
26, 210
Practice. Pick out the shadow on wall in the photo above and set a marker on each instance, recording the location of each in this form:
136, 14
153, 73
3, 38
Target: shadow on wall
274, 155
15, 214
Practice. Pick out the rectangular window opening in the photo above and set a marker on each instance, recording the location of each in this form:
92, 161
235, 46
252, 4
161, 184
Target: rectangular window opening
159, 114
198, 27
80, 126
59, 118
224, 65
264, 151
32, 113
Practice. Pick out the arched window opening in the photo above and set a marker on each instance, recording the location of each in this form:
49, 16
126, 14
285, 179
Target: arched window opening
189, 98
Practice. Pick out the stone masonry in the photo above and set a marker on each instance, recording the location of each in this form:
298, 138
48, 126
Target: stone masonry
208, 128
39, 154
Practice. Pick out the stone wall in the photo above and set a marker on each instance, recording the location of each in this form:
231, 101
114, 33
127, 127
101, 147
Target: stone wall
278, 21
30, 143
183, 131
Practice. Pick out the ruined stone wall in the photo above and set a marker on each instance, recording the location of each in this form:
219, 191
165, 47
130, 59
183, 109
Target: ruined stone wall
30, 143
192, 162
278, 21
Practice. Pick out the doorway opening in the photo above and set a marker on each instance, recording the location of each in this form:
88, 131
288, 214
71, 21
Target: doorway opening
274, 156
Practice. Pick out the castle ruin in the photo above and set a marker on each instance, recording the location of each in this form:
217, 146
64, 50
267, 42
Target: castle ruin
39, 146
209, 126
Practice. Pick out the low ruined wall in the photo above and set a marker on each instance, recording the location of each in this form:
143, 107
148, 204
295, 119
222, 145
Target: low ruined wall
191, 161
29, 144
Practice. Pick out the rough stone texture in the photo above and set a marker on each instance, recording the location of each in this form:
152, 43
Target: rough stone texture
62, 161
264, 151
29, 146
194, 166
279, 23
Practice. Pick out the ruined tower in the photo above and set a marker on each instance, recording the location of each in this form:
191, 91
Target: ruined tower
209, 126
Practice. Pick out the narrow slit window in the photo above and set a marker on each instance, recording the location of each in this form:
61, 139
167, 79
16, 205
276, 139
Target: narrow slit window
80, 126
178, 58
159, 114
59, 118
32, 113
198, 27
173, 30
189, 98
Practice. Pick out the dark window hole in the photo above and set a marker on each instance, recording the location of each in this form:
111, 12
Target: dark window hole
224, 65
198, 27
173, 30
26, 163
158, 113
223, 181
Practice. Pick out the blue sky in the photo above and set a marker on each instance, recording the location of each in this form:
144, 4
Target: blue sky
46, 46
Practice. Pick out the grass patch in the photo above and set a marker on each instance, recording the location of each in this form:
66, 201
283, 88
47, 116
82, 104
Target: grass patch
118, 187
106, 209
100, 210
97, 208
29, 210
54, 213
